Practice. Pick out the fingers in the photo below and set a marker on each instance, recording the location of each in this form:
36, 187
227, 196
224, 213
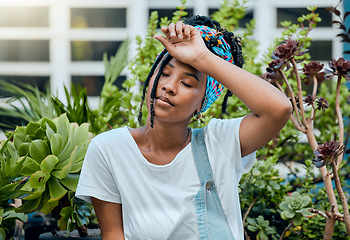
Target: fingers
177, 31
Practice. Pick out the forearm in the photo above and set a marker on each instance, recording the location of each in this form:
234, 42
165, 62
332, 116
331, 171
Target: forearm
258, 95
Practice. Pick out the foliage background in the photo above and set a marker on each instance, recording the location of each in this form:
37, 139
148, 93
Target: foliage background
262, 190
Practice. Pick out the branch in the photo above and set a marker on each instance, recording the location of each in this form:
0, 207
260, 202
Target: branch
289, 87
250, 207
342, 198
319, 212
340, 120
285, 230
300, 92
314, 89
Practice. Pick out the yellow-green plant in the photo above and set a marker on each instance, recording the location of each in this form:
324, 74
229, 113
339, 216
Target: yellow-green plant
53, 152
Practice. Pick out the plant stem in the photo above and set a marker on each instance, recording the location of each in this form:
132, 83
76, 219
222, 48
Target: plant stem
289, 87
340, 120
330, 223
292, 117
300, 92
314, 89
342, 198
285, 230
249, 208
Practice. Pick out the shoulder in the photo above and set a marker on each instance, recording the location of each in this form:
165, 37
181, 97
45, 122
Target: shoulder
222, 127
111, 137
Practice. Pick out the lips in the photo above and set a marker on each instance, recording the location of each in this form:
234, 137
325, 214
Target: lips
165, 99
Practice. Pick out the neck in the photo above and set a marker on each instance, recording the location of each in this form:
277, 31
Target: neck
166, 136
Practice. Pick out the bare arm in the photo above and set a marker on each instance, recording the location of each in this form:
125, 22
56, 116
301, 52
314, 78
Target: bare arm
110, 219
270, 108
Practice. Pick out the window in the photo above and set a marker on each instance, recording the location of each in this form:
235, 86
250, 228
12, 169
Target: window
98, 17
292, 14
24, 50
42, 82
92, 50
94, 84
321, 50
24, 16
168, 12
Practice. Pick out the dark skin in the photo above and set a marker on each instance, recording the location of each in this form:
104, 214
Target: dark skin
270, 109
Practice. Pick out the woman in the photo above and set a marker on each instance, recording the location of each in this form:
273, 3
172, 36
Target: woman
140, 180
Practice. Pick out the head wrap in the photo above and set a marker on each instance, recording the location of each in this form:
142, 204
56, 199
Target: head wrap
217, 44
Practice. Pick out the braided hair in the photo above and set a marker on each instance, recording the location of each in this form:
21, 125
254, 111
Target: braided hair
164, 58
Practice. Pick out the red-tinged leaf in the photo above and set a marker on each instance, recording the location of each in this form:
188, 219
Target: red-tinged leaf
346, 14
336, 22
336, 12
343, 35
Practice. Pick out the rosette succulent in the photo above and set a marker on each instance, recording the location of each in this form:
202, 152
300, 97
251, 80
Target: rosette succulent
52, 152
295, 207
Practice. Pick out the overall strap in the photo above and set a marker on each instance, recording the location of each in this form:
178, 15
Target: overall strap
200, 156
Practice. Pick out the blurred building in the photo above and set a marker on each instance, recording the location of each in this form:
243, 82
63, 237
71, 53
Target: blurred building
52, 43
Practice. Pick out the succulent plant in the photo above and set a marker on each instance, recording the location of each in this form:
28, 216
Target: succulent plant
313, 69
327, 153
295, 207
54, 151
10, 183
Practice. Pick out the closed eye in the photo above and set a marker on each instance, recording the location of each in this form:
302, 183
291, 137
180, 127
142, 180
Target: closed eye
166, 75
187, 85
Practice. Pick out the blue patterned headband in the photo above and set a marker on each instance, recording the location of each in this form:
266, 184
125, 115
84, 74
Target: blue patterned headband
222, 49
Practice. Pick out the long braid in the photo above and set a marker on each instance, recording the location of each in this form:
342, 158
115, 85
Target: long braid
236, 51
159, 58
155, 84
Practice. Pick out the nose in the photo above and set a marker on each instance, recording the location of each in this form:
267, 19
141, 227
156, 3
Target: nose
169, 87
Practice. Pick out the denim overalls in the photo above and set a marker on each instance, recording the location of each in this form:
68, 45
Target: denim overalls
203, 217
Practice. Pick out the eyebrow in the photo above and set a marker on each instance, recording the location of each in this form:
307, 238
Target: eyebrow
187, 73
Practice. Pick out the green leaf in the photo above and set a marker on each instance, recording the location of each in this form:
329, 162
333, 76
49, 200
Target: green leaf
23, 149
305, 201
67, 169
289, 213
48, 122
19, 136
66, 212
38, 179
2, 233
49, 163
37, 193
48, 206
38, 150
63, 129
13, 215
30, 166
29, 206
32, 127
81, 134
56, 144
70, 181
56, 190
298, 220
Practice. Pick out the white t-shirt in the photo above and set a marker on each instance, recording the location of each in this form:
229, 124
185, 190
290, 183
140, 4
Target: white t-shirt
153, 196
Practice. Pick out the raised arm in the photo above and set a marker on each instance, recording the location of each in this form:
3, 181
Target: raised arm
270, 108
110, 219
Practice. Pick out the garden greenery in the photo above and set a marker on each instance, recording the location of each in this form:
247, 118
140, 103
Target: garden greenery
297, 206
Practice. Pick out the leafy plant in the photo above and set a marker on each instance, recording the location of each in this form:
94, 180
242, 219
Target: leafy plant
263, 228
52, 153
11, 183
295, 207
